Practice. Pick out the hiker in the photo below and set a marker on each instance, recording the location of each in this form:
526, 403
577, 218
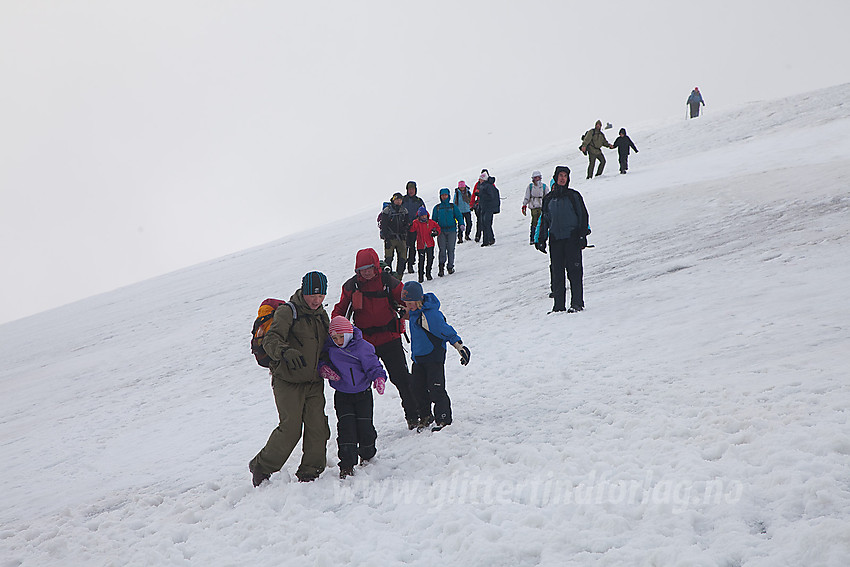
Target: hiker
476, 205
411, 201
623, 143
373, 297
351, 368
489, 204
294, 342
533, 199
424, 230
694, 102
447, 215
564, 223
429, 333
395, 224
591, 145
463, 200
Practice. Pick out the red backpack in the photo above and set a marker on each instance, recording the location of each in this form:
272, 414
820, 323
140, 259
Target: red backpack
265, 314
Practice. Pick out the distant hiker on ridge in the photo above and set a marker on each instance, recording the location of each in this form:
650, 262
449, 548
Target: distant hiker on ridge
694, 101
591, 144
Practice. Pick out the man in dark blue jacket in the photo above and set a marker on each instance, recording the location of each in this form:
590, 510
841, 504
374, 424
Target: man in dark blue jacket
565, 224
489, 202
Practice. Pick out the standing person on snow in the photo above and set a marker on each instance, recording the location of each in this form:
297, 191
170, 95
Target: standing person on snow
463, 200
591, 145
429, 333
448, 216
374, 297
294, 342
694, 101
476, 204
565, 224
533, 199
623, 143
424, 230
490, 204
411, 201
351, 368
395, 224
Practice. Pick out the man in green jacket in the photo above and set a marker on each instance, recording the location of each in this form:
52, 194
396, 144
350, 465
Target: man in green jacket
591, 145
294, 342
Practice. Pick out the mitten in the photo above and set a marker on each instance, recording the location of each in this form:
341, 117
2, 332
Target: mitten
523, 210
434, 232
294, 359
464, 353
379, 384
540, 246
327, 373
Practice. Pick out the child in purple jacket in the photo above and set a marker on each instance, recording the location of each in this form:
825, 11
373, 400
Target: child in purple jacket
353, 366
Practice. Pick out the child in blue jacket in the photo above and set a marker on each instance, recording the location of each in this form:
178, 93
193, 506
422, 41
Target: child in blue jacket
429, 333
352, 366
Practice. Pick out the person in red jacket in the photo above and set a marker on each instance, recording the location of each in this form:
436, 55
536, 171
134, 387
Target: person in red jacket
425, 229
373, 297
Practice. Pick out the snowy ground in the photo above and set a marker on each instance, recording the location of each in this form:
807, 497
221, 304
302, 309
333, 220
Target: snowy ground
695, 414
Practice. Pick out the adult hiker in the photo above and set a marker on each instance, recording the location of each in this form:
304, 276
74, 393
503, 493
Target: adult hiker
411, 201
694, 102
374, 298
463, 200
448, 216
395, 224
294, 342
489, 204
564, 223
533, 200
591, 145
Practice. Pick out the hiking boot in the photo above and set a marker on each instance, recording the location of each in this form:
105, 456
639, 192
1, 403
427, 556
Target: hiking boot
428, 276
258, 477
467, 238
425, 422
438, 426
345, 472
551, 295
477, 239
460, 239
421, 279
412, 423
451, 270
410, 269
364, 461
575, 309
441, 272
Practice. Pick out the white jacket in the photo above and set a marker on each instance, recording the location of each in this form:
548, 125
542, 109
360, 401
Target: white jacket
534, 195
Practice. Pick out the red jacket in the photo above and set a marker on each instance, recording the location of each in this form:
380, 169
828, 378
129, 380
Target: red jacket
423, 233
474, 199
373, 311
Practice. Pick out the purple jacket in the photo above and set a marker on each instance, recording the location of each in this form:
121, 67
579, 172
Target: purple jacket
357, 364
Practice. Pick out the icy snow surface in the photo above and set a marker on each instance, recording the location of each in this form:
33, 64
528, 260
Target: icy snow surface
696, 414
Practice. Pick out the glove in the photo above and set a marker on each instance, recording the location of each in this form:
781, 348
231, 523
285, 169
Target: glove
540, 246
293, 358
464, 353
379, 384
328, 373
434, 232
523, 210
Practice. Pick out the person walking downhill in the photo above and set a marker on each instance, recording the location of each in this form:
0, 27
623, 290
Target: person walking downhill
294, 342
395, 224
694, 101
448, 216
476, 204
489, 203
463, 200
591, 145
411, 201
373, 298
533, 200
623, 143
425, 230
429, 333
565, 224
352, 366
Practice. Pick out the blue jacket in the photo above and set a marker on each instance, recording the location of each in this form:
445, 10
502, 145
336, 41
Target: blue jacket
431, 318
357, 364
447, 214
461, 203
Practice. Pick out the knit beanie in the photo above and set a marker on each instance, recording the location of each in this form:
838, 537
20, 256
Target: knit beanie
484, 176
461, 184
397, 196
421, 211
412, 291
314, 283
340, 325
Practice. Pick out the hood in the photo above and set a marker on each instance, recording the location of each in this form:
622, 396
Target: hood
558, 169
358, 336
430, 301
367, 257
409, 185
445, 191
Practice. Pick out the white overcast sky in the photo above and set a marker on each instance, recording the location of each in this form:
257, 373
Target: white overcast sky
140, 137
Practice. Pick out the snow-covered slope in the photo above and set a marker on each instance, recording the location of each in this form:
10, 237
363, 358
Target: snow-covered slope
695, 414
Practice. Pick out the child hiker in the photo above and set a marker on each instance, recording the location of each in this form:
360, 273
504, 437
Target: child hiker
425, 230
351, 367
429, 333
622, 143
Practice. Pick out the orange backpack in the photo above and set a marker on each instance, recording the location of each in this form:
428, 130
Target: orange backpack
265, 314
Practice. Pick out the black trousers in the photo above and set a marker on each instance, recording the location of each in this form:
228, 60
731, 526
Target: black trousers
624, 162
565, 255
478, 226
395, 361
426, 261
355, 433
467, 218
429, 386
411, 250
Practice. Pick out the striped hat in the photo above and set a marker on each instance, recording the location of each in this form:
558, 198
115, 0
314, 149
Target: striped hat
340, 326
314, 283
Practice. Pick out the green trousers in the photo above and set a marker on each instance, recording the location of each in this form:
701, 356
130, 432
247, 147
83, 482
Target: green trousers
298, 406
400, 249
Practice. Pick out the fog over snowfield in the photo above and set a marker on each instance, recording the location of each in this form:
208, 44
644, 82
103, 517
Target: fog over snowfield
696, 414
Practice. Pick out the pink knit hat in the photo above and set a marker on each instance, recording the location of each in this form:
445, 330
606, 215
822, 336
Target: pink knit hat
461, 184
340, 326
